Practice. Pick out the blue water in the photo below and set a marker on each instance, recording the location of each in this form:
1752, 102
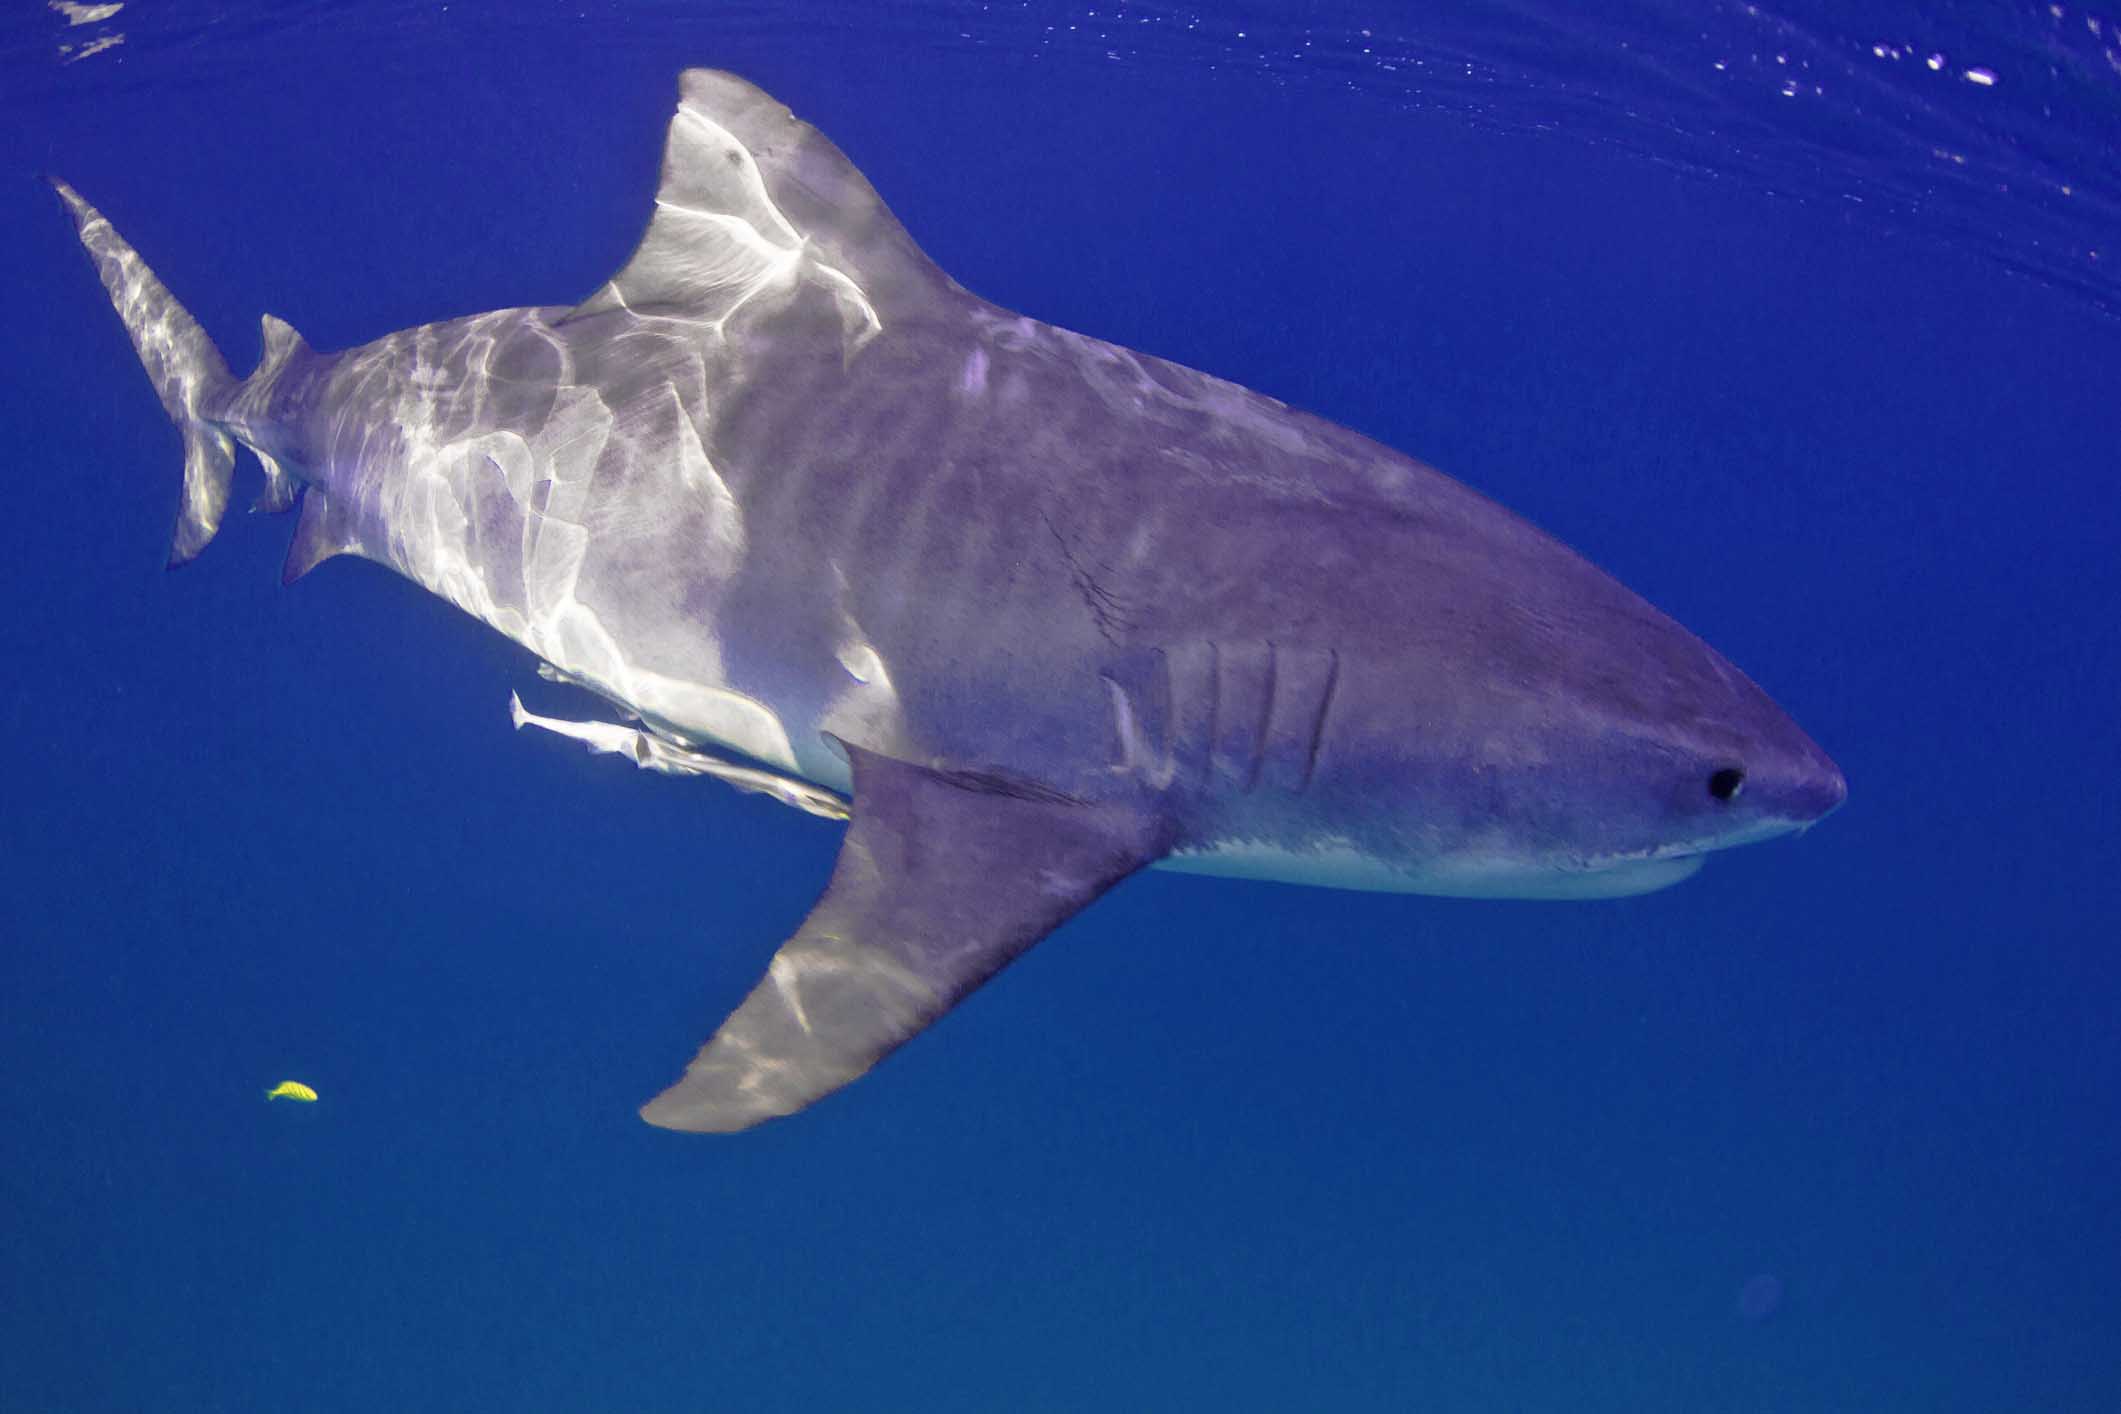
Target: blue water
1814, 343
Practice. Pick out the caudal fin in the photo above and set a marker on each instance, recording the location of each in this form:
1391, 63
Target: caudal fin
188, 372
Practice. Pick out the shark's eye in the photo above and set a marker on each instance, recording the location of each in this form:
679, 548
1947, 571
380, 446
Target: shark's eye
1726, 783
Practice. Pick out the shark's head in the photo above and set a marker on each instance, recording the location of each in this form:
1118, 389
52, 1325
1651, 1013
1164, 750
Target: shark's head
1568, 777
1638, 789
1585, 756
1583, 745
1488, 715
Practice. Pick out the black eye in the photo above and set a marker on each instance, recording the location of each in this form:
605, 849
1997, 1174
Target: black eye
1726, 783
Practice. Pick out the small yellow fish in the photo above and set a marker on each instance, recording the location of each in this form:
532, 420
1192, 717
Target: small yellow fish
292, 1090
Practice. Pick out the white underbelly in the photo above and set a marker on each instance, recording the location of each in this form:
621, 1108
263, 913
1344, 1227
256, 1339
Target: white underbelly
1457, 876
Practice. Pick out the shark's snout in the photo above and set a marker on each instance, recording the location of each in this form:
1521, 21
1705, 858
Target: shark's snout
1769, 777
1799, 786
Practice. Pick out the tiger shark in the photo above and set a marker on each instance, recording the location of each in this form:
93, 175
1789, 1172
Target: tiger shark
1029, 611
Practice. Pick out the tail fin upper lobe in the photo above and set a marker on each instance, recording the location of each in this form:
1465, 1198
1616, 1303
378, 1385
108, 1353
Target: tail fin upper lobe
188, 372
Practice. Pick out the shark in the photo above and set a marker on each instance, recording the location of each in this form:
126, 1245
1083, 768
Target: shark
1028, 611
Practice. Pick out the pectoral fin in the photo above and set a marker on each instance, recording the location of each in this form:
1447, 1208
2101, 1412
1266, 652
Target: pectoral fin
944, 878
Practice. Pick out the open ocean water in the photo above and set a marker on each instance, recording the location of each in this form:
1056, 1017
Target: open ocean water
1804, 319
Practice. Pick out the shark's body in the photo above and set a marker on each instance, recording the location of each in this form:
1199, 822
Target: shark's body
1047, 610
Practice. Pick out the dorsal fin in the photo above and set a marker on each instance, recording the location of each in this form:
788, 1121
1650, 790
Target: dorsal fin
755, 203
281, 344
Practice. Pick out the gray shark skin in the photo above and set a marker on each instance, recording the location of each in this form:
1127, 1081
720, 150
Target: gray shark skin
1033, 611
